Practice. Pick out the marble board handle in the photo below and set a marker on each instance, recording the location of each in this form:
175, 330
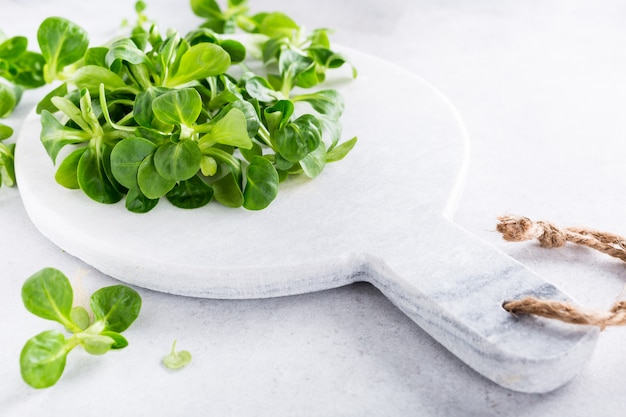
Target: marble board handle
461, 307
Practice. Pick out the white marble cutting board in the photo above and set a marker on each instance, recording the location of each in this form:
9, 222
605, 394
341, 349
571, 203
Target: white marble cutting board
381, 216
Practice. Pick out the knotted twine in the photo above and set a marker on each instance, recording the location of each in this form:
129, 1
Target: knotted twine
518, 229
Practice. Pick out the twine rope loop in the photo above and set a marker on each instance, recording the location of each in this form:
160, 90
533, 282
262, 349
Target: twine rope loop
549, 235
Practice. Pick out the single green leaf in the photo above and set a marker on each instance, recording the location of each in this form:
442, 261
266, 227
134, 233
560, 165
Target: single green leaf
208, 166
340, 151
126, 157
62, 43
72, 111
259, 88
42, 359
124, 50
230, 129
278, 115
190, 194
8, 99
178, 107
326, 102
80, 317
235, 49
272, 48
96, 56
291, 63
93, 178
314, 162
91, 76
279, 25
67, 173
136, 202
46, 102
95, 344
176, 359
5, 132
151, 183
261, 184
48, 294
252, 118
117, 306
200, 61
227, 191
178, 161
7, 163
119, 341
248, 154
13, 47
27, 70
227, 158
296, 139
206, 8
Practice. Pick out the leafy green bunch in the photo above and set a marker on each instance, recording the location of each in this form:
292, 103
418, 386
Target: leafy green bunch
184, 117
20, 69
7, 151
48, 294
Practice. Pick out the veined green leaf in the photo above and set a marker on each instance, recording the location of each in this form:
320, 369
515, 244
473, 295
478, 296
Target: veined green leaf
227, 190
117, 306
91, 76
341, 150
126, 157
178, 107
314, 162
62, 43
136, 202
5, 132
231, 130
206, 8
8, 99
48, 294
67, 173
13, 47
261, 184
277, 115
296, 139
125, 50
190, 194
259, 88
327, 102
200, 61
46, 102
279, 25
42, 359
151, 183
93, 178
178, 161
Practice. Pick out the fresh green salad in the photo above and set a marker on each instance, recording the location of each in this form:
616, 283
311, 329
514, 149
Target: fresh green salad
224, 112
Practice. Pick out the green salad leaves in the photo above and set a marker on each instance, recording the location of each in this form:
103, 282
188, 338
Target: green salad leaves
185, 117
20, 69
48, 294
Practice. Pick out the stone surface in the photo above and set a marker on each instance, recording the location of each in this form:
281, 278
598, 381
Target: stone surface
540, 88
